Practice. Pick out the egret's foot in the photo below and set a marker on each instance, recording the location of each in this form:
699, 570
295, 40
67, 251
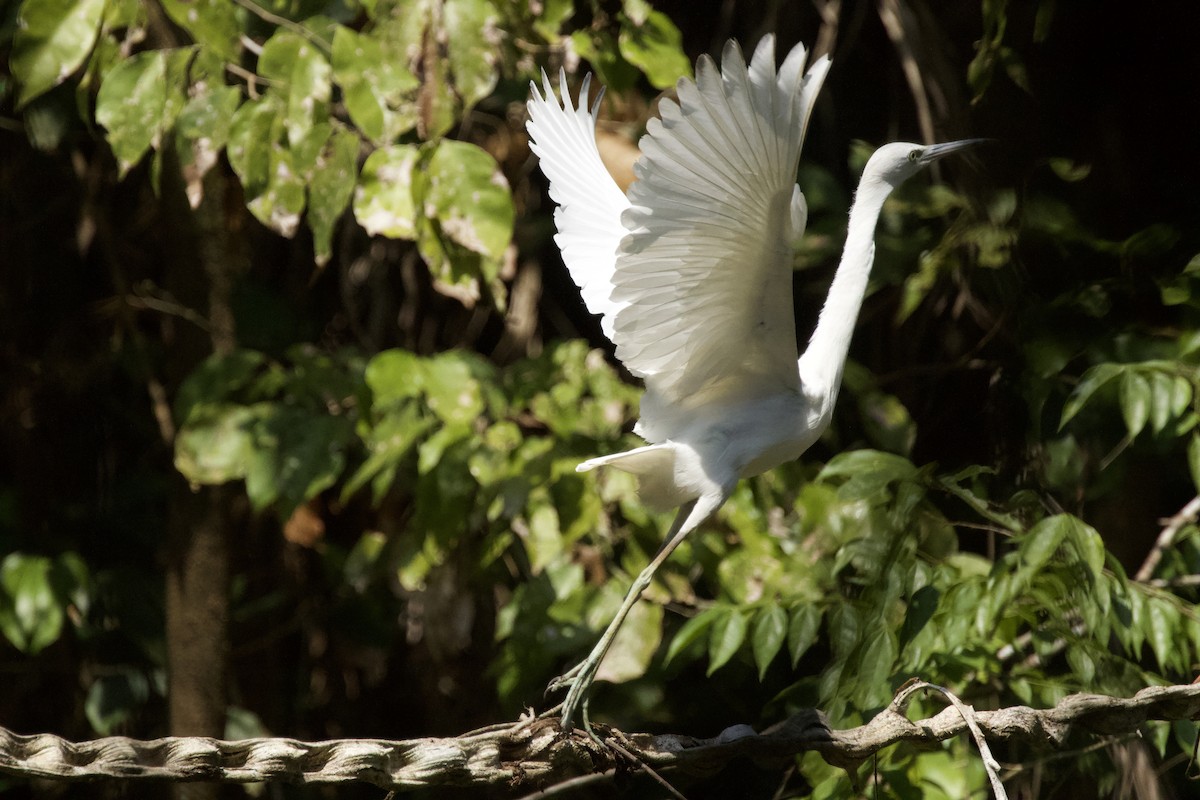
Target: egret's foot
567, 679
580, 680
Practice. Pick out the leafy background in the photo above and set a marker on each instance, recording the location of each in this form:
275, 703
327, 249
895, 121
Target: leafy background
279, 278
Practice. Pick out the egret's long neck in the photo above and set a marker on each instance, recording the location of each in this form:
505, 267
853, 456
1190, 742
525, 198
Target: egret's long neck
823, 361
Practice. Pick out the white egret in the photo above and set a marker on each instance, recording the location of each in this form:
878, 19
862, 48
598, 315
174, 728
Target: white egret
691, 274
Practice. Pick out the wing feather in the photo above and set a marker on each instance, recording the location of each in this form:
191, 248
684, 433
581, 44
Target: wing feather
590, 204
702, 283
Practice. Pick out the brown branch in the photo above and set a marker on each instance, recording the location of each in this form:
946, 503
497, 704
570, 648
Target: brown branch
536, 753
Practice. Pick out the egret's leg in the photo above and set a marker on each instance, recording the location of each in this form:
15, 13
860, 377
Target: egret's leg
580, 677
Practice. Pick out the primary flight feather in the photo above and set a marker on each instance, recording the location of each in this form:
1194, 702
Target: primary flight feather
691, 275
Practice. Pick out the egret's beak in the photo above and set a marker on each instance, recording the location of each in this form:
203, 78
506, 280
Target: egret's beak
935, 151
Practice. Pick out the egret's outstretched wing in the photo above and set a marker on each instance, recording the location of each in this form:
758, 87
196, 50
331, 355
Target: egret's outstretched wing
703, 283
589, 201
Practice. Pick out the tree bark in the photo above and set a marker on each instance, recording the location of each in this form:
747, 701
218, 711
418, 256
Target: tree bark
200, 520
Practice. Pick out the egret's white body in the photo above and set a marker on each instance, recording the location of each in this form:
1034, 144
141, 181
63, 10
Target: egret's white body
691, 275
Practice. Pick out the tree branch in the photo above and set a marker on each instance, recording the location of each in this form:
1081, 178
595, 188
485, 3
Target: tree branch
535, 752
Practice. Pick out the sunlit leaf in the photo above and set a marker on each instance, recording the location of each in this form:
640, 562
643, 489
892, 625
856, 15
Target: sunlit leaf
304, 74
383, 202
803, 625
330, 189
281, 201
51, 40
216, 443
473, 33
691, 632
1164, 633
377, 89
252, 138
214, 24
544, 542
470, 198
770, 630
31, 617
655, 46
728, 633
138, 103
634, 646
201, 133
1043, 540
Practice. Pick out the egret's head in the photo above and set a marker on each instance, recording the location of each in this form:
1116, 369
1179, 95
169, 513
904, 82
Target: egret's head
897, 162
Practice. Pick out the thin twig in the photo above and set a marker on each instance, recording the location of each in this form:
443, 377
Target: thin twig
985, 753
571, 783
1166, 538
284, 22
642, 765
891, 13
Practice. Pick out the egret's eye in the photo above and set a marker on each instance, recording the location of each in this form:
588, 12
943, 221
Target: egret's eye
913, 155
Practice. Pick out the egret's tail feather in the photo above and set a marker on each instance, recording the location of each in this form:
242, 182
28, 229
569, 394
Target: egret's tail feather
654, 466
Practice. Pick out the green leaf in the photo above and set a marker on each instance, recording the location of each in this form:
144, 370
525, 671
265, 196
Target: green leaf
1181, 395
555, 13
280, 203
1089, 544
390, 443
1165, 632
1088, 385
921, 608
1135, 401
293, 61
729, 631
330, 189
213, 24
113, 698
770, 630
1043, 540
655, 46
803, 624
201, 132
418, 36
293, 455
138, 102
218, 378
875, 661
689, 633
52, 39
470, 199
1193, 455
377, 89
1162, 390
599, 50
545, 541
886, 467
252, 138
384, 203
1068, 170
31, 617
451, 389
472, 30
1081, 663
215, 444
394, 376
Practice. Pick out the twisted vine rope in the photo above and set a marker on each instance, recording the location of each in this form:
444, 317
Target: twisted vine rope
535, 752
